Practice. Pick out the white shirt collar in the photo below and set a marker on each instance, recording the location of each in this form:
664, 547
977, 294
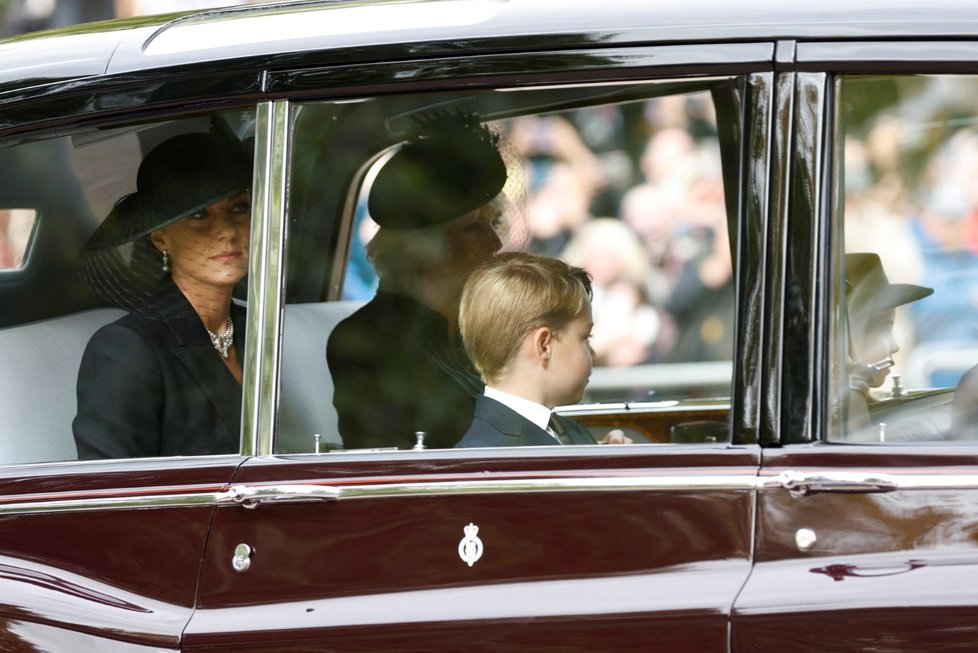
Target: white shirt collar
531, 410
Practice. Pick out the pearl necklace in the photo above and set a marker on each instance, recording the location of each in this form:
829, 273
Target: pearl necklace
222, 341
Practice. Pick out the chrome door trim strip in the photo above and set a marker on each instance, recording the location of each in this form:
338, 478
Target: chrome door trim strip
123, 500
862, 482
587, 484
252, 495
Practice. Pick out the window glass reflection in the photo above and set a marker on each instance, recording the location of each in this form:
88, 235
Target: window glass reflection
633, 191
908, 334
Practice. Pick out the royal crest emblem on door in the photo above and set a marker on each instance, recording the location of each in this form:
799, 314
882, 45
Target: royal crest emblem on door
470, 548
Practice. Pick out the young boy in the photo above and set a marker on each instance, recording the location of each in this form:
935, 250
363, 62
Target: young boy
526, 324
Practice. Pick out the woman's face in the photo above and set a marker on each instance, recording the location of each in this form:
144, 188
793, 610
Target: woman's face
472, 239
210, 247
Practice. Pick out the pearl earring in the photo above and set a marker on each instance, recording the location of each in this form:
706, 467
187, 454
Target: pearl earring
166, 261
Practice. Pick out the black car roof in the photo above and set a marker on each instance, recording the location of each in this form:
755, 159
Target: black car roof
419, 28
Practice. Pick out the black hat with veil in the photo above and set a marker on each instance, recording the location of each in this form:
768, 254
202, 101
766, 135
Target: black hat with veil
449, 164
178, 178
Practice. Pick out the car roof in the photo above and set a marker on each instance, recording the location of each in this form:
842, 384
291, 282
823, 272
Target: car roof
278, 33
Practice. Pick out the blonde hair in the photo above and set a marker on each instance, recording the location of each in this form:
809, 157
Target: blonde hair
512, 295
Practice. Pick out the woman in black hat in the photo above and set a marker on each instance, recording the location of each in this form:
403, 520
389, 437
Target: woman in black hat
871, 302
165, 380
397, 364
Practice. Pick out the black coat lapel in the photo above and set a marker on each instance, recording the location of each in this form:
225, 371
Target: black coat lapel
511, 424
194, 349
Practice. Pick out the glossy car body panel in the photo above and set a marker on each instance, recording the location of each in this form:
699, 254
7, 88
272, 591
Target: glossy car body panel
881, 558
76, 563
356, 569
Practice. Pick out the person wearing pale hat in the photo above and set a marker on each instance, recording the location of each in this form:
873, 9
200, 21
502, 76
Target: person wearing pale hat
397, 364
871, 301
165, 380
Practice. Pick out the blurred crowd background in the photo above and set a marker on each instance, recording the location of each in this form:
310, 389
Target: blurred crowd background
634, 194
910, 161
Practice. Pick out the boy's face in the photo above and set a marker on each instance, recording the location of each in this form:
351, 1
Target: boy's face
570, 362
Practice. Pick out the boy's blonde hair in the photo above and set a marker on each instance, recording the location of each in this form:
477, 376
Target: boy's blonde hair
512, 295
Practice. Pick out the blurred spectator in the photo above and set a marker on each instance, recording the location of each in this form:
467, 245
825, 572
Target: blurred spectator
627, 328
950, 315
667, 156
703, 299
563, 177
558, 205
655, 215
615, 133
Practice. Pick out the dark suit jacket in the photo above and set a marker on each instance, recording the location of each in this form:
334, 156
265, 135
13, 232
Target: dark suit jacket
154, 386
396, 369
498, 425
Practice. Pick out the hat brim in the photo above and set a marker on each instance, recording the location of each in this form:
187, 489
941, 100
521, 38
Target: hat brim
131, 218
180, 176
449, 168
895, 295
898, 294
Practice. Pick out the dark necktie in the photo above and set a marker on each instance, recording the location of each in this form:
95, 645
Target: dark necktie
559, 429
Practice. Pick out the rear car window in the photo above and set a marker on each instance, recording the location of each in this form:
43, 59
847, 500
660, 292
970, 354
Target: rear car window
905, 344
636, 183
61, 290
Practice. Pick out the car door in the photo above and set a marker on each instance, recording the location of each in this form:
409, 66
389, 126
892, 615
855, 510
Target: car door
643, 546
98, 554
104, 555
866, 526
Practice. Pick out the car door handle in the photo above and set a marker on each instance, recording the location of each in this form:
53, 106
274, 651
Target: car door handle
250, 496
802, 483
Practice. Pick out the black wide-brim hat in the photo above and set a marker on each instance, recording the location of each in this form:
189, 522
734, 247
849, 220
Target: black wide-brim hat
449, 166
179, 177
868, 291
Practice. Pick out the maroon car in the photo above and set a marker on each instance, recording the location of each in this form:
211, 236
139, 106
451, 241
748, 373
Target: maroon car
777, 205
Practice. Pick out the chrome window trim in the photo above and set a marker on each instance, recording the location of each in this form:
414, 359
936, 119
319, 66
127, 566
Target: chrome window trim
266, 276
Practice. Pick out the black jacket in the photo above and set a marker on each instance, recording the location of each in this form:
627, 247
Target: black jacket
155, 386
498, 425
396, 369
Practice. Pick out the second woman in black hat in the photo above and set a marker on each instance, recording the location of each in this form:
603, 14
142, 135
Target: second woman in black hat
165, 380
397, 364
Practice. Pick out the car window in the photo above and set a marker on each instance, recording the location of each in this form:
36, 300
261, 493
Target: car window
97, 363
626, 181
906, 282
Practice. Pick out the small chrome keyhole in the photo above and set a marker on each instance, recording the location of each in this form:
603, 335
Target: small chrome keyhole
242, 558
805, 539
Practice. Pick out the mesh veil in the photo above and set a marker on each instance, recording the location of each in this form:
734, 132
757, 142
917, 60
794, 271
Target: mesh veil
180, 177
